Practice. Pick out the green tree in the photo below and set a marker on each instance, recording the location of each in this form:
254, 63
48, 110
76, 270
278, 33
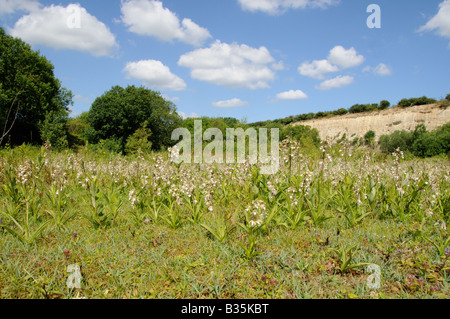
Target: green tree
77, 128
139, 140
31, 97
384, 105
118, 113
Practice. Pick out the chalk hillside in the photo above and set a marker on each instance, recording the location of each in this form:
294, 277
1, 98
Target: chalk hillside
381, 122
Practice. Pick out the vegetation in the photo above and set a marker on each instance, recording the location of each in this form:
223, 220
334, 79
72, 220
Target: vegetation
416, 101
33, 105
103, 194
120, 112
143, 227
420, 142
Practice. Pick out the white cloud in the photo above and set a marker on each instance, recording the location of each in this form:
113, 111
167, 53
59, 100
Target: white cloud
187, 116
11, 6
154, 74
440, 22
381, 69
280, 6
292, 95
345, 58
278, 66
70, 27
230, 103
339, 58
337, 82
230, 65
149, 17
172, 99
317, 68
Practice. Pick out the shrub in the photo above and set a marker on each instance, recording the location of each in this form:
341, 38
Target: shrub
416, 101
359, 108
110, 145
447, 98
369, 137
433, 143
398, 139
341, 111
303, 134
53, 130
384, 105
139, 140
420, 142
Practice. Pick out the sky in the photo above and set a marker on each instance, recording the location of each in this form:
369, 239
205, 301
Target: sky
253, 60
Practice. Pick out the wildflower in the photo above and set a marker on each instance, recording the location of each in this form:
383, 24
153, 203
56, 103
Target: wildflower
74, 235
273, 282
447, 251
434, 288
66, 252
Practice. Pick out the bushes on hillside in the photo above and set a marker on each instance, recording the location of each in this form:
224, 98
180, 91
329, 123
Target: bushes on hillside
359, 108
416, 101
304, 134
420, 142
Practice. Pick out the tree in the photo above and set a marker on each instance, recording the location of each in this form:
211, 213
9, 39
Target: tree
139, 140
30, 94
120, 112
384, 105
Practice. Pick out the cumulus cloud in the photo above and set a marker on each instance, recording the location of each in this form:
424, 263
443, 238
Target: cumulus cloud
317, 69
70, 27
345, 58
187, 116
169, 98
381, 69
11, 6
440, 22
338, 58
280, 6
154, 74
336, 82
292, 95
231, 65
150, 18
230, 103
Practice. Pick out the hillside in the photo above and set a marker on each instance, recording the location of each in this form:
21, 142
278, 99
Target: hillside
381, 122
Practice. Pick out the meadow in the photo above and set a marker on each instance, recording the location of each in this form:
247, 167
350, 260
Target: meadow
144, 227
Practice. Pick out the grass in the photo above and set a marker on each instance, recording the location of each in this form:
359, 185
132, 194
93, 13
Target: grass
141, 227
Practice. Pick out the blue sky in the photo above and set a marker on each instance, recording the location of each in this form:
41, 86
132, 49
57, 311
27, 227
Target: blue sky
252, 59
